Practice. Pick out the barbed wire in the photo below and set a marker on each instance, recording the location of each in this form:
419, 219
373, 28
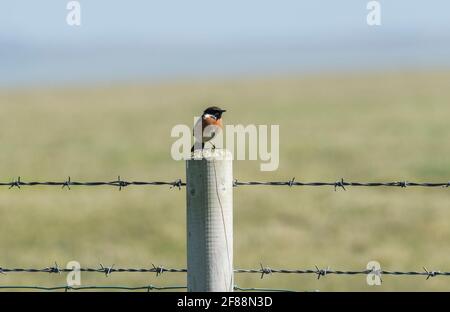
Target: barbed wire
18, 183
342, 184
148, 288
265, 270
236, 287
178, 183
262, 270
94, 287
107, 270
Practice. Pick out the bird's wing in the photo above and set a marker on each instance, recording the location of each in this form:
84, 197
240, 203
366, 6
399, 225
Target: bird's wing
198, 129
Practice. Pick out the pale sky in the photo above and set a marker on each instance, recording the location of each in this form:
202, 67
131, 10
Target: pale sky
212, 20
139, 40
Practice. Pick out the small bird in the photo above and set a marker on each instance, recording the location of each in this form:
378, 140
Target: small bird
211, 120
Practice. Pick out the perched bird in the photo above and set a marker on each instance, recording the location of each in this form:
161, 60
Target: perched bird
211, 124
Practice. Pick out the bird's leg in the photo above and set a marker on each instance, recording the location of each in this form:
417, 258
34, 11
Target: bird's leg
213, 146
193, 147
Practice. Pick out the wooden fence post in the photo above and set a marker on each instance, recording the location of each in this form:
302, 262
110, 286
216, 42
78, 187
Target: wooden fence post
209, 193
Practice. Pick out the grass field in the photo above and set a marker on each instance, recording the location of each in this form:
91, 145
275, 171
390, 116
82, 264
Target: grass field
377, 127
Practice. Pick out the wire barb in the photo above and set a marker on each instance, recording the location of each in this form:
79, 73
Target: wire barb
15, 183
430, 273
265, 270
377, 272
67, 184
159, 270
321, 272
106, 270
54, 269
403, 184
121, 184
177, 183
339, 184
291, 182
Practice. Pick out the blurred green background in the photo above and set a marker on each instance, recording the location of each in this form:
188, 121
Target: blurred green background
362, 127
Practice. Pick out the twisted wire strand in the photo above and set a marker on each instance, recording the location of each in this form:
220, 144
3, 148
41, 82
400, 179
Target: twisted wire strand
262, 270
94, 287
102, 269
18, 183
178, 183
148, 288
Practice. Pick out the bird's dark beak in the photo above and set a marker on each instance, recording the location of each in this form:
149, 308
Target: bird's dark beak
223, 110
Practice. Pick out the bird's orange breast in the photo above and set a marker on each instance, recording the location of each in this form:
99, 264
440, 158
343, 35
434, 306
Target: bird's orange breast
209, 121
215, 126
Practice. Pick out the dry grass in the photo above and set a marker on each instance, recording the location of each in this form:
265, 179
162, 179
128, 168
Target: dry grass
361, 127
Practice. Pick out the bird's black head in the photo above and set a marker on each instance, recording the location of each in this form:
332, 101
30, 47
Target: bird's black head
214, 111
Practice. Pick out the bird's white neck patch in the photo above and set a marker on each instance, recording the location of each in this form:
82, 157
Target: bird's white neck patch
209, 116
